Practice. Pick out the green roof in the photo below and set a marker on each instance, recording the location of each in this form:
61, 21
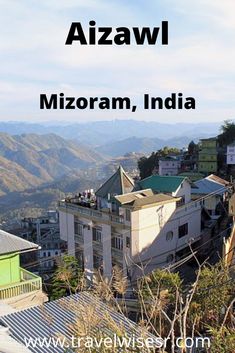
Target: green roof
192, 176
118, 184
162, 183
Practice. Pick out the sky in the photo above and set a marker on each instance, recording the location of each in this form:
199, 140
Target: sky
199, 60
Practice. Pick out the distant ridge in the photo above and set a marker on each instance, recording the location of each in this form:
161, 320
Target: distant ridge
101, 132
29, 160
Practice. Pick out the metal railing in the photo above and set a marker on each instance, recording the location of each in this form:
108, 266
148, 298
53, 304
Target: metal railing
92, 213
29, 282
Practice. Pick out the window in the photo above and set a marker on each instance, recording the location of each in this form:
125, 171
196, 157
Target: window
169, 235
128, 215
170, 258
128, 242
183, 230
117, 242
97, 261
97, 234
78, 228
49, 253
181, 202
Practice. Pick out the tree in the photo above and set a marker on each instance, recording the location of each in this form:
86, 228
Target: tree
168, 307
228, 133
68, 277
147, 165
192, 148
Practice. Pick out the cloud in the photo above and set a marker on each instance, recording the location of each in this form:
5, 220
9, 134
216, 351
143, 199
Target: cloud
200, 58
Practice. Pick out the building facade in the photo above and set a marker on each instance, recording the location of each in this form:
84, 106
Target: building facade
168, 166
18, 287
130, 227
207, 160
230, 156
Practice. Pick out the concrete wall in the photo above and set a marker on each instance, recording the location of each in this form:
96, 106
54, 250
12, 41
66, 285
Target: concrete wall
106, 241
67, 231
168, 167
150, 228
184, 190
9, 269
231, 155
148, 235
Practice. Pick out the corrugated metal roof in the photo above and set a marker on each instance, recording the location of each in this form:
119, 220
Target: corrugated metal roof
206, 186
161, 183
55, 319
119, 183
218, 180
10, 243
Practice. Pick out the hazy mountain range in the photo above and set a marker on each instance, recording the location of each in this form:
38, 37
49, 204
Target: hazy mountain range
41, 162
102, 132
142, 145
29, 160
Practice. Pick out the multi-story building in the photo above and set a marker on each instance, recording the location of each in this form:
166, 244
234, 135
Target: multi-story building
176, 186
125, 227
19, 288
215, 192
169, 166
229, 241
207, 160
230, 154
45, 231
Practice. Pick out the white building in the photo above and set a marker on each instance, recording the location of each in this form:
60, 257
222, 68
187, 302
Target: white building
169, 166
231, 154
176, 186
48, 237
130, 227
214, 191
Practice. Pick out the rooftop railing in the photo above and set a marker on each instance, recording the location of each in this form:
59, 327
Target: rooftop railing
90, 212
29, 283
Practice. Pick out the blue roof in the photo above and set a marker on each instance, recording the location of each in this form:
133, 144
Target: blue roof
55, 319
206, 186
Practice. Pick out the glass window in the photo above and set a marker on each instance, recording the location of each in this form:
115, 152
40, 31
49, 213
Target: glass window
78, 228
128, 242
117, 242
128, 215
97, 234
97, 261
183, 230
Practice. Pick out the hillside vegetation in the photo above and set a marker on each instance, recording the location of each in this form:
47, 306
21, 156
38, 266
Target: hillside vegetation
30, 160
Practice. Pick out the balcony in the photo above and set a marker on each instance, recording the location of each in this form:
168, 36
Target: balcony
29, 283
92, 213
